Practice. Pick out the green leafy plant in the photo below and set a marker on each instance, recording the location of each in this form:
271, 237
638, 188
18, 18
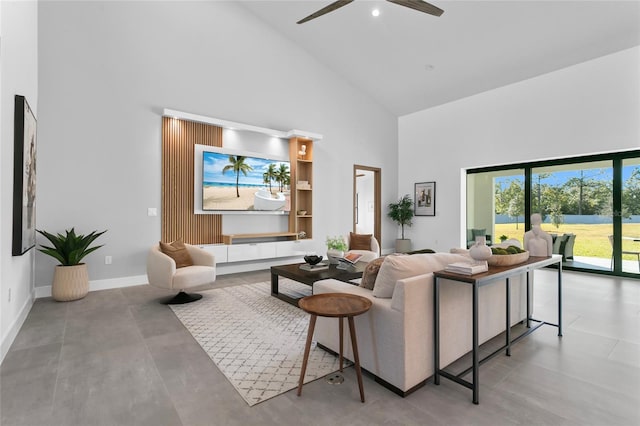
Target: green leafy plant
336, 243
503, 237
69, 249
402, 212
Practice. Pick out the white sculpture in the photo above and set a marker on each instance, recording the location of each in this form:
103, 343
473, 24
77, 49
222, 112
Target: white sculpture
536, 241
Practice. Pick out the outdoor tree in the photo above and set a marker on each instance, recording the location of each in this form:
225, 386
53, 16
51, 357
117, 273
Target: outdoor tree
631, 193
510, 201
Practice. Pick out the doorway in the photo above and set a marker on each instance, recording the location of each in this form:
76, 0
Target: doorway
366, 201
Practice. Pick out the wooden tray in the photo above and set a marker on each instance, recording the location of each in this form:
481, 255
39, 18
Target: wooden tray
507, 259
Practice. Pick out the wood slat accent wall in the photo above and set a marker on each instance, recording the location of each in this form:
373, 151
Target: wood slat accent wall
178, 219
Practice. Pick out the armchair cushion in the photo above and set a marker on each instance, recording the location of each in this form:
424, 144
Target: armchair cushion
359, 241
178, 252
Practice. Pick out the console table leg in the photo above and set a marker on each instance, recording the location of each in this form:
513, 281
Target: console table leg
528, 301
356, 358
560, 299
436, 332
476, 363
508, 315
307, 348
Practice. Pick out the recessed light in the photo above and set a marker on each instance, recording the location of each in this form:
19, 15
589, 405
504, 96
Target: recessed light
375, 12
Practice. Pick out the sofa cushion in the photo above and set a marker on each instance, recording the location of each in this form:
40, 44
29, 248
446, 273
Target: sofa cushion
178, 252
371, 273
359, 241
397, 267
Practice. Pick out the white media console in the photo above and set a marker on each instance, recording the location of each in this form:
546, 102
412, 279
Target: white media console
248, 252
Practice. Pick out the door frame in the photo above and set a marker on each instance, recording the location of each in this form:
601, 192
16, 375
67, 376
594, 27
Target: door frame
377, 197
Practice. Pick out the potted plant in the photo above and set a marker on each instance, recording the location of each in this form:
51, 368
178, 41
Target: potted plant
336, 246
70, 278
402, 213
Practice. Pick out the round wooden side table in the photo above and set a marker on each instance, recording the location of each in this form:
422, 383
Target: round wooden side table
338, 305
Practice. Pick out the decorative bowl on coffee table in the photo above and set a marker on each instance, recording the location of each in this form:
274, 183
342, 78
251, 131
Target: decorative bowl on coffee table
313, 259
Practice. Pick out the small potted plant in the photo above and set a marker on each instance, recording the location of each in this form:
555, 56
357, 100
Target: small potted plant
503, 238
336, 246
402, 213
70, 278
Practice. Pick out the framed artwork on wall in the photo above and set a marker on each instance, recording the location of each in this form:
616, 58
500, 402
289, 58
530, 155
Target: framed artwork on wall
24, 178
425, 199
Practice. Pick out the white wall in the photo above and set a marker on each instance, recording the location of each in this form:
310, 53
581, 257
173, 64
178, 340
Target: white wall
107, 69
588, 108
18, 76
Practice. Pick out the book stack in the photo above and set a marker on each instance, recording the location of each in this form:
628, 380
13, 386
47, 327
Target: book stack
312, 268
467, 268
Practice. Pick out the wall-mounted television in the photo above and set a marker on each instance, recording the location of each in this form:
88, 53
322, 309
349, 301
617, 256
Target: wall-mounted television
236, 181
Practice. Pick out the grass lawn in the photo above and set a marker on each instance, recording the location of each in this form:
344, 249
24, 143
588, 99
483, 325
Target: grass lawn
591, 240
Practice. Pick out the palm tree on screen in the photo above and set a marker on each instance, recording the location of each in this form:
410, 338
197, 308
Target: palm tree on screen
270, 175
282, 176
237, 164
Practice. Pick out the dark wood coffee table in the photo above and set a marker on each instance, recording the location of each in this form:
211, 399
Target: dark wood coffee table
309, 277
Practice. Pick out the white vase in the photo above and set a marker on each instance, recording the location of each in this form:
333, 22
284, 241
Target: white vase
333, 255
480, 251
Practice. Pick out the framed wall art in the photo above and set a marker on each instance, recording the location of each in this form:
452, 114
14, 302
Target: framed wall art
24, 178
425, 199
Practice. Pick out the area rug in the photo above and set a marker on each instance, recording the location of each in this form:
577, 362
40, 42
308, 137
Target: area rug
256, 340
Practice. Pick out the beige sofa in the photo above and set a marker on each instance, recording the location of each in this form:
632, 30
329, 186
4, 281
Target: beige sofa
395, 337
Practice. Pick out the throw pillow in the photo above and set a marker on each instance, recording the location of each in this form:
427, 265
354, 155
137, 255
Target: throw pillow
359, 241
371, 273
396, 268
178, 252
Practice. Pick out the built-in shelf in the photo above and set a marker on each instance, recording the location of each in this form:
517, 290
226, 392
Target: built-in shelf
228, 238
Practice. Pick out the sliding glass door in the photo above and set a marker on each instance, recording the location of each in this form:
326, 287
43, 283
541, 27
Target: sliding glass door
576, 202
629, 243
590, 205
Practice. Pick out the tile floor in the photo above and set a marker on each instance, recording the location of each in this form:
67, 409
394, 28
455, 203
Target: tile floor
118, 357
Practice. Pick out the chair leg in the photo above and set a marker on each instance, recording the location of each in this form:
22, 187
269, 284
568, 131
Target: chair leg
182, 298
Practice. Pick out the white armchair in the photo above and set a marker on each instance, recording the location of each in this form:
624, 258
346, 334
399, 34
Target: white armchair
367, 255
162, 272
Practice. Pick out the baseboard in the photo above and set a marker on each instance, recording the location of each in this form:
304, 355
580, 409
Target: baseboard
7, 339
95, 285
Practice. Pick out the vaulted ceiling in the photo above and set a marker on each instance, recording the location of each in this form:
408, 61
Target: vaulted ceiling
409, 61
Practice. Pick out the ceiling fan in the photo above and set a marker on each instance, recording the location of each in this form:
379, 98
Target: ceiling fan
419, 5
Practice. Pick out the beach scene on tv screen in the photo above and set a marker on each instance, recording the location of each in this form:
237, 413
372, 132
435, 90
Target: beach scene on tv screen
244, 183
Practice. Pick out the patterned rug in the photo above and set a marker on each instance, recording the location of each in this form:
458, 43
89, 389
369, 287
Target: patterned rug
256, 340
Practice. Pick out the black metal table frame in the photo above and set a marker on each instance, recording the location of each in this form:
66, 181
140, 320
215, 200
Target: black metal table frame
477, 281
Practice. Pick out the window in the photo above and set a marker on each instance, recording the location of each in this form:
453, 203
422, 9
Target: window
590, 205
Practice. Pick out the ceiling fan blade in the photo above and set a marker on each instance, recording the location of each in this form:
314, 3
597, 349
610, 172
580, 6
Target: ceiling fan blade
333, 6
419, 5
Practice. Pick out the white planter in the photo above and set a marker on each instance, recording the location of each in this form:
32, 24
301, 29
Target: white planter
403, 246
70, 282
333, 255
